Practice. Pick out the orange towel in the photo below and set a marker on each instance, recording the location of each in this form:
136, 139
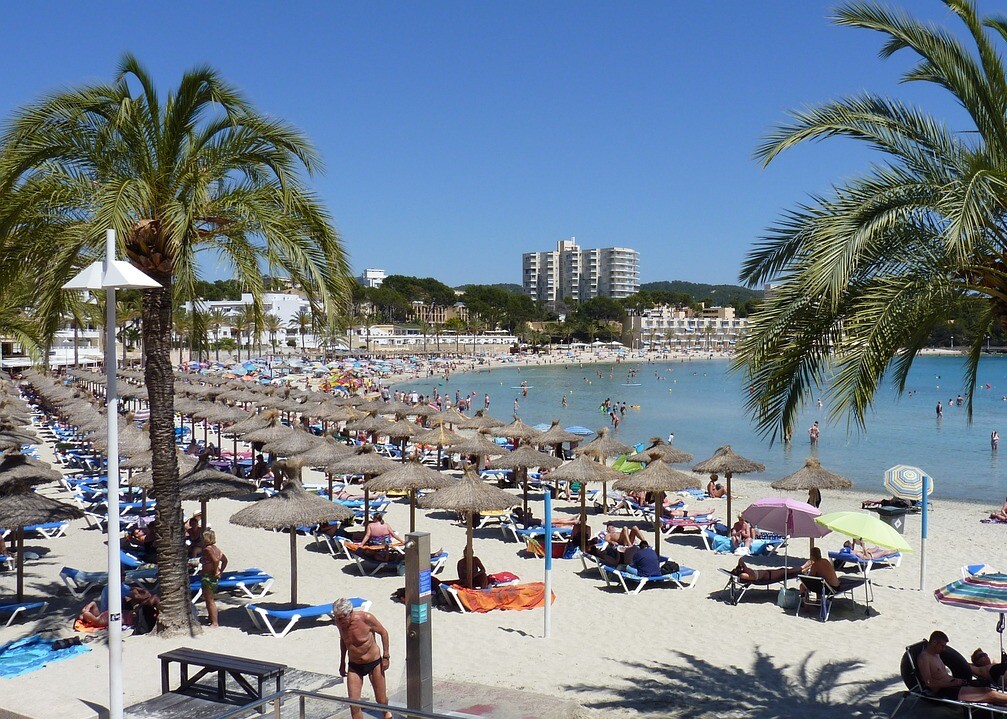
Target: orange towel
512, 596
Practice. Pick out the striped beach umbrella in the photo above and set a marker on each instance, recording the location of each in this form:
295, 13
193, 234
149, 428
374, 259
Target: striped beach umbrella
985, 592
907, 482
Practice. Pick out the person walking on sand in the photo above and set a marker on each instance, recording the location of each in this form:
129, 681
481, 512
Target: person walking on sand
357, 643
212, 564
814, 432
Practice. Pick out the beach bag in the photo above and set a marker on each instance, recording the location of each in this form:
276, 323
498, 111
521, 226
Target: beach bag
788, 598
670, 567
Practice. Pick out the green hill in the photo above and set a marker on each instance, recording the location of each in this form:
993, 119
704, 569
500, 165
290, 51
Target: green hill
720, 294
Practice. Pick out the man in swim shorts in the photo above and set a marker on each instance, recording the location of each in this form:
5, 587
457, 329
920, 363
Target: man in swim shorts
357, 643
937, 678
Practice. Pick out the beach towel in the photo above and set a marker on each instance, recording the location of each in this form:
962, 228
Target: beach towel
510, 596
31, 653
992, 520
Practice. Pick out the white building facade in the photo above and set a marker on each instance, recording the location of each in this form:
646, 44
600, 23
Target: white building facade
570, 272
712, 329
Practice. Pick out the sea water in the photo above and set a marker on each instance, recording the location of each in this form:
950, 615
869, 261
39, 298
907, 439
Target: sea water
702, 403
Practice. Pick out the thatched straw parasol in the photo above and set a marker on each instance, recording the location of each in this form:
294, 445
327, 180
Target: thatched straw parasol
657, 477
517, 431
402, 430
479, 446
481, 420
204, 483
449, 417
409, 477
323, 455
367, 462
556, 436
293, 442
288, 509
520, 461
21, 507
665, 452
813, 477
18, 469
467, 496
371, 424
601, 448
725, 461
581, 471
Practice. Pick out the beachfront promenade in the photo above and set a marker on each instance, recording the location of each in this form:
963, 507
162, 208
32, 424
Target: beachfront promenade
660, 653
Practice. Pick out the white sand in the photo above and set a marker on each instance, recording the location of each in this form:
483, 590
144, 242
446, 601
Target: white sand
624, 654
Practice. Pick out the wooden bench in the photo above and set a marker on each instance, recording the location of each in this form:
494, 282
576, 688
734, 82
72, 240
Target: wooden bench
240, 668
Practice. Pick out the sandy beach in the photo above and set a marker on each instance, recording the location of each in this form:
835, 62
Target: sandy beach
664, 652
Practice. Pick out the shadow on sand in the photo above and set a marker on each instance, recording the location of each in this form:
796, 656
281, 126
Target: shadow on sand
768, 689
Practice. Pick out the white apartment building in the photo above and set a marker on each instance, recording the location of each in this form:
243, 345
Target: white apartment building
712, 329
569, 271
372, 277
283, 306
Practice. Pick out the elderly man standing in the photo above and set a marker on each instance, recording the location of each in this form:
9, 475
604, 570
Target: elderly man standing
356, 639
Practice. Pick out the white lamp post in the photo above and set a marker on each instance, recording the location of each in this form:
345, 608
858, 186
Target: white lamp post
111, 275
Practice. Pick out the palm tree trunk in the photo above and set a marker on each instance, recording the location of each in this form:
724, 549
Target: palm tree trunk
76, 359
176, 613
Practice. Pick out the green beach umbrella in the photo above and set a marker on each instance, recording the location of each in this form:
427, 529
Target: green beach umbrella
860, 525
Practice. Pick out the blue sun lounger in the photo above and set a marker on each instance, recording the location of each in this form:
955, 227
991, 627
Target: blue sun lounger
684, 578
840, 559
263, 617
243, 581
16, 610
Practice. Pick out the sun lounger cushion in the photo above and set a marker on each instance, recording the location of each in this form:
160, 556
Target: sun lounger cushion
509, 596
31, 653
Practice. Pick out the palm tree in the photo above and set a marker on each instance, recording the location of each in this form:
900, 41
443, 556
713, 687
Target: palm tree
456, 325
868, 272
272, 324
251, 319
300, 324
239, 326
217, 319
198, 170
425, 329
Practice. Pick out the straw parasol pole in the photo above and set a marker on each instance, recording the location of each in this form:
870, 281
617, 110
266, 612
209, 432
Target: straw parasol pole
659, 478
727, 462
467, 496
409, 477
583, 470
289, 508
520, 461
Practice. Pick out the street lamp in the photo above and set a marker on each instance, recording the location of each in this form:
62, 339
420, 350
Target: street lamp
111, 275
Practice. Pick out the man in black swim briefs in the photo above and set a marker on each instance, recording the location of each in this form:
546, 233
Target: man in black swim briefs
357, 643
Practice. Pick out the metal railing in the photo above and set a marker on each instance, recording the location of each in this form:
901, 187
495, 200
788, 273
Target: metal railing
258, 707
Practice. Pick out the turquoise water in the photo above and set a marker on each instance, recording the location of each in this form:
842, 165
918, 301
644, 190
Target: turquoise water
703, 405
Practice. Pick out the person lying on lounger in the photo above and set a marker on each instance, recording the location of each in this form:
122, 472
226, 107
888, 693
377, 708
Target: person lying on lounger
751, 575
625, 537
984, 668
938, 679
858, 548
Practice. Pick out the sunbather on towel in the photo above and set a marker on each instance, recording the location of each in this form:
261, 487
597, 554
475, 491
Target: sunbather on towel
937, 678
1001, 514
821, 568
714, 488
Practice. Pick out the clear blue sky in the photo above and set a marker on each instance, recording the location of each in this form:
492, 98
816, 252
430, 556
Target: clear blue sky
457, 135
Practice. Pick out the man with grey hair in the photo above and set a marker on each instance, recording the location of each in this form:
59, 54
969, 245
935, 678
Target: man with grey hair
356, 639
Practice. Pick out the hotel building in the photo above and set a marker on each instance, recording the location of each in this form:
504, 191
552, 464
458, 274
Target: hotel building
577, 274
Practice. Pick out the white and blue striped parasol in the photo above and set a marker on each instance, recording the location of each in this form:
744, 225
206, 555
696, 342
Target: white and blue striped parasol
907, 482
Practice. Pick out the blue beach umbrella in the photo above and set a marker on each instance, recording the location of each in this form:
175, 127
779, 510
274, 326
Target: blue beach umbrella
582, 431
913, 483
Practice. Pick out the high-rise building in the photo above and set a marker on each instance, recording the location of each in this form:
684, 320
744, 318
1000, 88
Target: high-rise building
570, 272
372, 277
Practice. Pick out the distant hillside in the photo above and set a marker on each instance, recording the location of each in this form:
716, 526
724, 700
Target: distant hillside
505, 286
720, 294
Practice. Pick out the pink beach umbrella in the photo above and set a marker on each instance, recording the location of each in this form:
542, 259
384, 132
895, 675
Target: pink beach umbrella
786, 517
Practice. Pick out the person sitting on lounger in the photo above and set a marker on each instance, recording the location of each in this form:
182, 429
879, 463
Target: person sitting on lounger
821, 568
645, 561
379, 532
741, 533
938, 679
480, 579
715, 489
751, 575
